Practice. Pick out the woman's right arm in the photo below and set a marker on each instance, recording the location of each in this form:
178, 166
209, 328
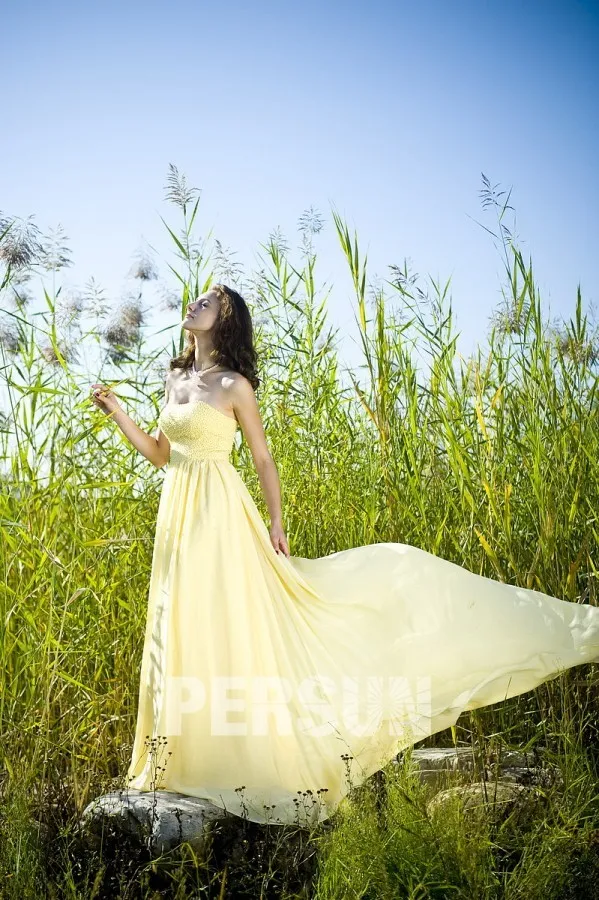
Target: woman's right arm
156, 450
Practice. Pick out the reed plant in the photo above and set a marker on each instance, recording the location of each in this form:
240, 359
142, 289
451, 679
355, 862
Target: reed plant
491, 462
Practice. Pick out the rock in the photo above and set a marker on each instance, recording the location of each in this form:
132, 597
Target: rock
162, 819
437, 766
517, 759
522, 768
493, 800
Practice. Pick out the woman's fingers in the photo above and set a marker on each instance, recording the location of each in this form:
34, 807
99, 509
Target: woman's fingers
99, 394
282, 546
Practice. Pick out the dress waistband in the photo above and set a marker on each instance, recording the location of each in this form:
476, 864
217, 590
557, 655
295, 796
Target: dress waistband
190, 455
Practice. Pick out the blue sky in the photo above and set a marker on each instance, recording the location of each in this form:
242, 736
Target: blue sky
387, 112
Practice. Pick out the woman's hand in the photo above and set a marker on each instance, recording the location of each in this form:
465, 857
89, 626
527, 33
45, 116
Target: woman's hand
278, 539
104, 399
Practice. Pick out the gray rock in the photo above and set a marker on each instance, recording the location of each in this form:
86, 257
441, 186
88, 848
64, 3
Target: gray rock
441, 766
162, 819
493, 800
517, 759
437, 765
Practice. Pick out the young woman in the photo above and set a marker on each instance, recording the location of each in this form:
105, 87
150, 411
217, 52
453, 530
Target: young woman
270, 683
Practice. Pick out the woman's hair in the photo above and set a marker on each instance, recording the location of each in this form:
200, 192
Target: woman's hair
233, 337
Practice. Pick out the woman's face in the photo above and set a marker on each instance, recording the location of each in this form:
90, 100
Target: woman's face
202, 313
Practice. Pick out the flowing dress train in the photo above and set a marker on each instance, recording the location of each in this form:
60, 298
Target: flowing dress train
284, 676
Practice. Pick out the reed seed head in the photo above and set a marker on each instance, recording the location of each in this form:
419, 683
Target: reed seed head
310, 222
177, 190
55, 253
144, 268
94, 299
21, 244
70, 306
66, 350
117, 334
131, 313
225, 268
9, 337
171, 300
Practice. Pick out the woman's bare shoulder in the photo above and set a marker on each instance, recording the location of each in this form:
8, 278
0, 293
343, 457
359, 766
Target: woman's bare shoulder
241, 387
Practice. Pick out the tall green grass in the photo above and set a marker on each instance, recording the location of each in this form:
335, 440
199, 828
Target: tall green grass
491, 462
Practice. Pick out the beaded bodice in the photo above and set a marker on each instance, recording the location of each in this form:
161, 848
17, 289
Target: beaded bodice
197, 430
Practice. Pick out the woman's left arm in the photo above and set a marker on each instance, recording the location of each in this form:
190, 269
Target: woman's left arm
245, 406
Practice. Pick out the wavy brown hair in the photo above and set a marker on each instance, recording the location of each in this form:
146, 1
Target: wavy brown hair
233, 337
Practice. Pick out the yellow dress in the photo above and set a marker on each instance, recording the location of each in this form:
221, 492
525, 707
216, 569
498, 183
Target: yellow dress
262, 672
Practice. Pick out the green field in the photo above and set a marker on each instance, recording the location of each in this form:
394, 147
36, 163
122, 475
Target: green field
491, 462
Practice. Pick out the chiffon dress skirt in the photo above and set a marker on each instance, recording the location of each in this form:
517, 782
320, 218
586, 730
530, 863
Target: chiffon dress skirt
271, 685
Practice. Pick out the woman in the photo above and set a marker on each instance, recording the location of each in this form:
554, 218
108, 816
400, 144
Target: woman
270, 683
